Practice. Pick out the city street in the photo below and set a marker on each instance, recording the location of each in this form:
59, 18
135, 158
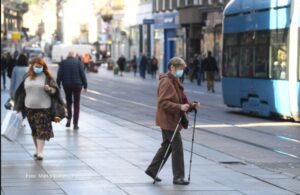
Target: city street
233, 153
268, 143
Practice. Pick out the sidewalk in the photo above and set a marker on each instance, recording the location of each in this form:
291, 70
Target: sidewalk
108, 156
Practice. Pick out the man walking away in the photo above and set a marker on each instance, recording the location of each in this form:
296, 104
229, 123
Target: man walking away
210, 67
73, 78
121, 63
143, 66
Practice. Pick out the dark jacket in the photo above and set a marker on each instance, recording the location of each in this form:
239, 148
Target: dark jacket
57, 105
121, 63
71, 74
210, 64
170, 96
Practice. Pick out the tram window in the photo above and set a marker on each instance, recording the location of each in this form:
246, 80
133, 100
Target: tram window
261, 61
246, 65
262, 40
247, 38
279, 65
231, 55
231, 60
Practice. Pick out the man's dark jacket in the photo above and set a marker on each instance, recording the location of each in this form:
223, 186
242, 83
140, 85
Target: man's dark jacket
71, 74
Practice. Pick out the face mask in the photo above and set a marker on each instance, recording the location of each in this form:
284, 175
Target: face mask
38, 70
179, 73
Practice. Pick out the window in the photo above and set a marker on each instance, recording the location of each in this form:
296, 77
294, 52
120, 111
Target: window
278, 56
261, 57
231, 55
260, 54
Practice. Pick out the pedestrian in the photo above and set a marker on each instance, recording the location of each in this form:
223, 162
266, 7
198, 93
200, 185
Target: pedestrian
171, 101
143, 65
18, 73
199, 73
3, 70
193, 67
121, 63
86, 58
10, 62
134, 64
72, 76
154, 66
210, 67
36, 96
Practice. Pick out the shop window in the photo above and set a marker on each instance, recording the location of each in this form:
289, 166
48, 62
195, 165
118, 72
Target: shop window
278, 56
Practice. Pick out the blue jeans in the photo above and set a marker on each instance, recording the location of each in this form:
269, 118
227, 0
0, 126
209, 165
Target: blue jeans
199, 77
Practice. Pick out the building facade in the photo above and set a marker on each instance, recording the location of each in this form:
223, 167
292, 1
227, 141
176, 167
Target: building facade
187, 27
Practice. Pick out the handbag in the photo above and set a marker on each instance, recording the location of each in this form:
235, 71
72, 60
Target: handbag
58, 107
184, 120
12, 125
8, 104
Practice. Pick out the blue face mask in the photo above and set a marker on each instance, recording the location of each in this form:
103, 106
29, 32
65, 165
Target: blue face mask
179, 73
38, 70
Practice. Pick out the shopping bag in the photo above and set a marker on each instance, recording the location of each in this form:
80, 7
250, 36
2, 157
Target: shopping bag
11, 125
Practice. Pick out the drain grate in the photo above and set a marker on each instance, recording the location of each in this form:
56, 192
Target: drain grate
232, 163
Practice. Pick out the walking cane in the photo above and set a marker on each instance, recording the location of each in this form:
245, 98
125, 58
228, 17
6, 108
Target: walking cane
192, 147
165, 156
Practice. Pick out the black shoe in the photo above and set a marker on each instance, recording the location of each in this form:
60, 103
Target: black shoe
180, 181
75, 127
68, 123
213, 90
152, 176
39, 158
35, 155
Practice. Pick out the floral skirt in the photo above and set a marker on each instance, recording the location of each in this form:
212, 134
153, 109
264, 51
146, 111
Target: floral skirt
40, 123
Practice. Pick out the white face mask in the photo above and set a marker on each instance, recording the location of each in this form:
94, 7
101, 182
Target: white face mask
179, 73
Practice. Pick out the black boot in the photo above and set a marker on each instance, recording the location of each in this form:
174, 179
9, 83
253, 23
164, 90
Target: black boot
157, 179
180, 181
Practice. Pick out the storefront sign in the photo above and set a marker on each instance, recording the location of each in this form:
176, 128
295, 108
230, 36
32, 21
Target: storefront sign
148, 21
167, 20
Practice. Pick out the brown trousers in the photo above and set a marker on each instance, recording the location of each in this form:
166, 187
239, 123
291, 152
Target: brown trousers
177, 155
210, 76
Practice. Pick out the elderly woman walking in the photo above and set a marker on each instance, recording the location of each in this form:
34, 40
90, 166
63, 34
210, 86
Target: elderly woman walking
39, 97
171, 102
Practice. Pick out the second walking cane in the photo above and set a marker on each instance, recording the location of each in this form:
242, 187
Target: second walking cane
192, 147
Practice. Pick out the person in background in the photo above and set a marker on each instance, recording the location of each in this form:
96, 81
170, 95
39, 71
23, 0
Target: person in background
72, 76
18, 73
121, 63
3, 70
154, 66
86, 58
210, 67
134, 64
143, 65
34, 96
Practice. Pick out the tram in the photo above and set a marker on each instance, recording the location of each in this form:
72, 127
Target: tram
261, 57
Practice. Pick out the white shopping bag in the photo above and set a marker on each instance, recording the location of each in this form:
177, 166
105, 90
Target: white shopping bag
11, 125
